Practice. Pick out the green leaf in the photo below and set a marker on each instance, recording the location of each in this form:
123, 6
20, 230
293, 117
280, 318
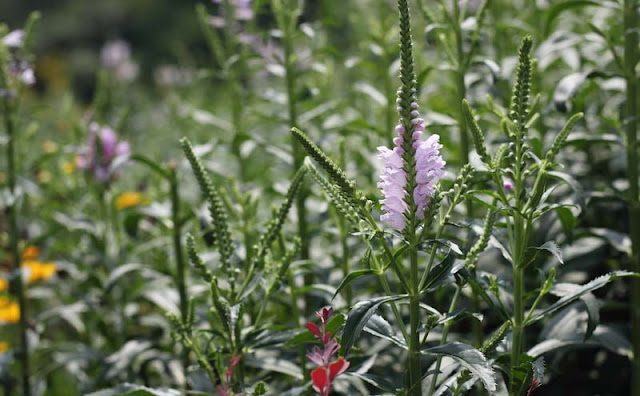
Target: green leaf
270, 363
557, 9
135, 390
593, 310
305, 336
358, 317
604, 336
553, 248
375, 380
266, 338
469, 357
440, 272
446, 243
351, 277
379, 327
579, 292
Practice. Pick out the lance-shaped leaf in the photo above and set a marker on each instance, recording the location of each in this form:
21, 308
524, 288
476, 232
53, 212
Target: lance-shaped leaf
579, 292
135, 390
358, 317
379, 327
351, 277
470, 358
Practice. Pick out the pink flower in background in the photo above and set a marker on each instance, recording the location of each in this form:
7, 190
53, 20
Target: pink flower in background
100, 151
429, 169
507, 184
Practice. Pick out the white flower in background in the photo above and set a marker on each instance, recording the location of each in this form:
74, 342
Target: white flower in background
116, 57
27, 76
242, 12
14, 39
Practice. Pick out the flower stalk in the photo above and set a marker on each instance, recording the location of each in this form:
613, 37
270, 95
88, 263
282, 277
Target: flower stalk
9, 111
176, 231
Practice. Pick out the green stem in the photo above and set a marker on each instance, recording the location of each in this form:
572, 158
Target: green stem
517, 345
345, 261
179, 257
415, 371
302, 356
394, 307
14, 236
443, 339
631, 119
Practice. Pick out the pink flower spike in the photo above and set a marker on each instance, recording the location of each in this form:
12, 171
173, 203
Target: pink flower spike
338, 367
314, 329
325, 314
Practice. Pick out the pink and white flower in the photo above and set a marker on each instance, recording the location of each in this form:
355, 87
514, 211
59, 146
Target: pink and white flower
429, 168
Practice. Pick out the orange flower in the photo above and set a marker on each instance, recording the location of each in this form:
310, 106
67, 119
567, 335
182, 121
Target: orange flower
38, 270
3, 347
4, 284
129, 199
31, 252
9, 311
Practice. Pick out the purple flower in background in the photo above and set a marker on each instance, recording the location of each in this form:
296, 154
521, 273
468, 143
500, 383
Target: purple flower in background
18, 68
429, 168
242, 10
101, 149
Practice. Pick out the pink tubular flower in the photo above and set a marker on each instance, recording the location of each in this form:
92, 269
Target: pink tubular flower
429, 168
98, 156
323, 375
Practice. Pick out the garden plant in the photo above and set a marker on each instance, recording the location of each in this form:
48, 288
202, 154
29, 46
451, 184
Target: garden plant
295, 197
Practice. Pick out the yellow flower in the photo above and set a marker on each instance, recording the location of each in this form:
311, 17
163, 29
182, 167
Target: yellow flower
4, 284
68, 167
129, 199
3, 347
49, 147
38, 270
9, 311
30, 252
44, 176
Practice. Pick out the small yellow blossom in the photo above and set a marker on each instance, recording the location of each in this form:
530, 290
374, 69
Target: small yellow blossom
39, 271
30, 252
9, 311
44, 176
49, 147
4, 284
3, 347
129, 199
68, 167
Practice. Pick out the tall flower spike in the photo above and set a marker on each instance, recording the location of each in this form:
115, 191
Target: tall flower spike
412, 167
